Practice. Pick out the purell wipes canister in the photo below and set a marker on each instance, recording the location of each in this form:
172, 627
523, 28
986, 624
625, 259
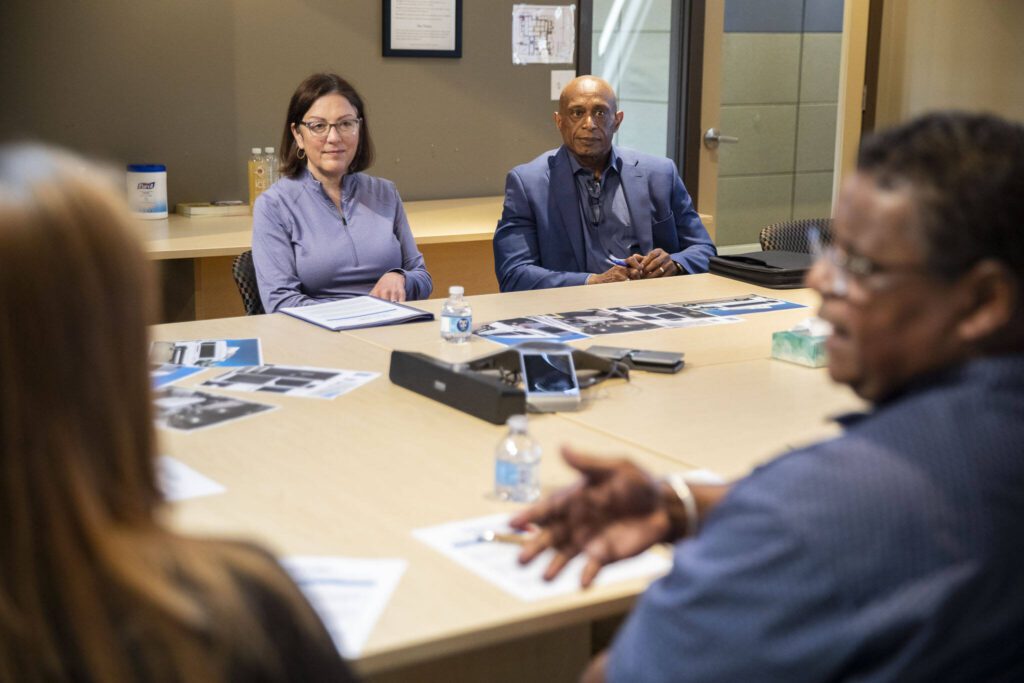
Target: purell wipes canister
147, 190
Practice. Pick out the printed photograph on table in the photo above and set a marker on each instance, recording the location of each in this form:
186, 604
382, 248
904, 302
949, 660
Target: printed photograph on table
535, 328
163, 374
185, 410
207, 352
674, 315
293, 380
597, 321
740, 305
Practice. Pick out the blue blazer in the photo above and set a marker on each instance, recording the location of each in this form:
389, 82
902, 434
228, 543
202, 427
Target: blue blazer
539, 239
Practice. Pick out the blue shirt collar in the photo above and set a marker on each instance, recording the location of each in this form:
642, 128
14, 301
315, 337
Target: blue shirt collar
614, 163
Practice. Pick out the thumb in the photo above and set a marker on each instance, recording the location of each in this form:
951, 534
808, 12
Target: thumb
593, 469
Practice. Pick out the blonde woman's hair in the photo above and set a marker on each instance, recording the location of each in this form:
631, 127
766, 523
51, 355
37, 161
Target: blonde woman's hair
91, 585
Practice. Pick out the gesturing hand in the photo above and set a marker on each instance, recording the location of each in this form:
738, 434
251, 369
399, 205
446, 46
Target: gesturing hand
616, 511
390, 287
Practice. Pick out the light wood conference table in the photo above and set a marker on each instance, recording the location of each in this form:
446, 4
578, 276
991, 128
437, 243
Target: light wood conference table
729, 409
354, 476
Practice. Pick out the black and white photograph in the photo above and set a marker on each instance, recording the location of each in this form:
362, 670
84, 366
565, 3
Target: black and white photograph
186, 410
300, 381
597, 321
674, 315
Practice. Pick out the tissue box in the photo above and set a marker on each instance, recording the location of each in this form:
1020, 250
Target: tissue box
800, 348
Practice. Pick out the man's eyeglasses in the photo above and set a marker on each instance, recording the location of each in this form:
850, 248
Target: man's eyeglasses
594, 200
857, 267
321, 129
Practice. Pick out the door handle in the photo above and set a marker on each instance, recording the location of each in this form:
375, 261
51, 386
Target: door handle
713, 137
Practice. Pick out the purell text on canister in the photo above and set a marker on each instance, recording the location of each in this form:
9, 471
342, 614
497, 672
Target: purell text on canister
147, 190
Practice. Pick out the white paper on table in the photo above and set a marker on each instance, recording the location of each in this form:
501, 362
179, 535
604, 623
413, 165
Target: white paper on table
178, 481
497, 562
348, 593
292, 380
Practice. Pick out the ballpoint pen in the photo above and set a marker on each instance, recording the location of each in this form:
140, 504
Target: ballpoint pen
616, 261
491, 536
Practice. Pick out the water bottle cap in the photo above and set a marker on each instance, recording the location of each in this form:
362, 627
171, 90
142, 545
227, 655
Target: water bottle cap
255, 150
517, 423
268, 150
456, 290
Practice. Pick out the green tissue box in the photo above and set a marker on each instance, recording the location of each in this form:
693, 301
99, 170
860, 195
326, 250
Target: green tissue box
800, 348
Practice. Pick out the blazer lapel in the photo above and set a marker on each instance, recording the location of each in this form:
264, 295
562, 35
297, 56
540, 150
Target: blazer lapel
638, 199
563, 191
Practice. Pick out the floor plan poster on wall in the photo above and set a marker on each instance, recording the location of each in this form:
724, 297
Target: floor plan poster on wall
543, 34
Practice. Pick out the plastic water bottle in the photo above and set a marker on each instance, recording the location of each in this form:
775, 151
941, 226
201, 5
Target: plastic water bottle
517, 464
456, 317
257, 175
270, 159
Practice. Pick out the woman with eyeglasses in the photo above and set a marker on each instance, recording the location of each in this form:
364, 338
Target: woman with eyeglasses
93, 585
326, 230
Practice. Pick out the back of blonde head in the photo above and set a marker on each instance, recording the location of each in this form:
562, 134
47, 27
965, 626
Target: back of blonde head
81, 553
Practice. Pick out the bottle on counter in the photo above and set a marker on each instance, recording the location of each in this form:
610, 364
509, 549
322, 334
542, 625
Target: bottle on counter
257, 175
270, 158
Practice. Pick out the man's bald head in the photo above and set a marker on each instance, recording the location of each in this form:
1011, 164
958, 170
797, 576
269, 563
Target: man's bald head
587, 84
587, 118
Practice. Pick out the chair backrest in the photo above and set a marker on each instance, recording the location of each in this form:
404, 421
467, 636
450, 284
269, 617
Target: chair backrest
245, 277
792, 235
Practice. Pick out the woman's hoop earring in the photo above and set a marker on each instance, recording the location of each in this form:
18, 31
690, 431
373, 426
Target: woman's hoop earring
301, 153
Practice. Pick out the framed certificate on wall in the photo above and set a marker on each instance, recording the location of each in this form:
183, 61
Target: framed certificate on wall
422, 28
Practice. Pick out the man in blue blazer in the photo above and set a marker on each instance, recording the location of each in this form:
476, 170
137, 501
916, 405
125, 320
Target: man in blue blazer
589, 212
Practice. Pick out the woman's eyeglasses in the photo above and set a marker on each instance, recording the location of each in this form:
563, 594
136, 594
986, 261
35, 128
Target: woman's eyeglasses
321, 129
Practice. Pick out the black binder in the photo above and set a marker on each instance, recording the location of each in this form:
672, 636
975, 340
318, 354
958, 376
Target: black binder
773, 269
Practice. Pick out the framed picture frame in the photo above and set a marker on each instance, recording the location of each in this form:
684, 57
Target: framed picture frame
422, 28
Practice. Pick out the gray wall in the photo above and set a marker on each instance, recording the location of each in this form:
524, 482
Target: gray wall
195, 83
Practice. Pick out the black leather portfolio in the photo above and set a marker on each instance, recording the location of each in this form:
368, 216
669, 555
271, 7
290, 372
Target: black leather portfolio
774, 269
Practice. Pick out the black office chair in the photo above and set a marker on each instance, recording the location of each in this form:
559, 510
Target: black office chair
792, 235
244, 273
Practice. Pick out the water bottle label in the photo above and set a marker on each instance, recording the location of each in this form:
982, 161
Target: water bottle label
507, 474
456, 324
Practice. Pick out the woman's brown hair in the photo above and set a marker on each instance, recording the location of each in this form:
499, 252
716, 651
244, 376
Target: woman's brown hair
86, 570
308, 92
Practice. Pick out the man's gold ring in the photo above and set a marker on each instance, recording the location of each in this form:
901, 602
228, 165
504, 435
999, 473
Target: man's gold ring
661, 269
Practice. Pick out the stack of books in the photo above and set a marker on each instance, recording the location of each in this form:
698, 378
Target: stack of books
194, 209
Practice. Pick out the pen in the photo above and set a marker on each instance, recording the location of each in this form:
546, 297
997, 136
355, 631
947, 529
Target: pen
490, 536
616, 261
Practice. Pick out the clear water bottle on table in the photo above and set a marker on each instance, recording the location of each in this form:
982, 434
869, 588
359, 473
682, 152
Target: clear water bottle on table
517, 464
456, 317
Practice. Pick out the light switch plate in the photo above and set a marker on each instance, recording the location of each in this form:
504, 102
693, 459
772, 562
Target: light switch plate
560, 79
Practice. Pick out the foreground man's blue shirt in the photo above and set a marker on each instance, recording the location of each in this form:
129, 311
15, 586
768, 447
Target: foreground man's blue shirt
892, 553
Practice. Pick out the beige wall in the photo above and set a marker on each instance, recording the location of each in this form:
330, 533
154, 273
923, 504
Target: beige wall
195, 83
951, 54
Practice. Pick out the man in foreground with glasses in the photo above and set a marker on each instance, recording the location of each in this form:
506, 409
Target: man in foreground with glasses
891, 553
589, 212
